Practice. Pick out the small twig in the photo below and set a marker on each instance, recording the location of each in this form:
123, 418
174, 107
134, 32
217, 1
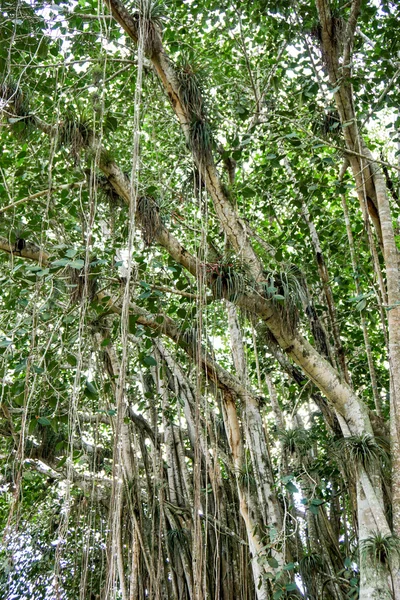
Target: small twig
65, 186
337, 147
381, 97
169, 290
75, 62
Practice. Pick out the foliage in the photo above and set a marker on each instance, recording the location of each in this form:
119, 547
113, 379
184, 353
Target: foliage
180, 423
363, 449
381, 549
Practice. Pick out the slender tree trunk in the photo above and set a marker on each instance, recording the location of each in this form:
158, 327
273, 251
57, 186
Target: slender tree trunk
372, 190
374, 582
255, 435
236, 445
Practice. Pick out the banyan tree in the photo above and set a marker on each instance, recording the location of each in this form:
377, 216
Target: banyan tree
200, 300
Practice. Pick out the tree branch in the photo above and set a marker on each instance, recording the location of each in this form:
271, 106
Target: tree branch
57, 188
29, 251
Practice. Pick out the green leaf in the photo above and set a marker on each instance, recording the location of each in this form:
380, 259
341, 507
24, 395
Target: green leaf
42, 272
248, 192
32, 425
71, 252
43, 421
90, 390
132, 324
361, 305
21, 366
273, 563
43, 49
291, 488
77, 264
149, 361
61, 262
71, 359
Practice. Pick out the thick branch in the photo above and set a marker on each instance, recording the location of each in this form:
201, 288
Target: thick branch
30, 251
232, 225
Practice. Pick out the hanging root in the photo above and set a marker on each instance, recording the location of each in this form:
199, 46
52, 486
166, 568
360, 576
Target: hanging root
108, 192
190, 341
336, 35
75, 133
14, 104
194, 182
191, 96
149, 218
148, 17
76, 282
200, 136
189, 89
13, 99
